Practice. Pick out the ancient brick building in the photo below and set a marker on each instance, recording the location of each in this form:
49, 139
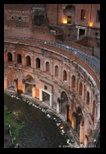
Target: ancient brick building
64, 78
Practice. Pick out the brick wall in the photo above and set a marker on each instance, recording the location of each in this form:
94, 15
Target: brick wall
37, 32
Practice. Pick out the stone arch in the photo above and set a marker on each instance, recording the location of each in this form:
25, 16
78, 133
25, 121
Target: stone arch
29, 83
9, 57
28, 61
56, 70
70, 8
80, 88
64, 75
64, 107
76, 118
79, 117
38, 63
11, 75
19, 58
69, 12
88, 98
73, 81
47, 66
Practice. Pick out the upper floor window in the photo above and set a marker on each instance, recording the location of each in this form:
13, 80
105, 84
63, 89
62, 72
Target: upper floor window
56, 71
93, 108
98, 16
82, 14
64, 75
28, 61
38, 63
19, 58
9, 55
47, 67
88, 98
80, 89
73, 81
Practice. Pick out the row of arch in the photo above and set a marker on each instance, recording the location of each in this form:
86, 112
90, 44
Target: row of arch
47, 69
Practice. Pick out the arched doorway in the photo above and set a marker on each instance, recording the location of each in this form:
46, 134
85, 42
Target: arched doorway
69, 12
29, 85
19, 59
64, 107
11, 75
78, 118
9, 55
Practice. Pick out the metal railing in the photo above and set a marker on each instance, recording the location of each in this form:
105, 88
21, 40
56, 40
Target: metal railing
92, 61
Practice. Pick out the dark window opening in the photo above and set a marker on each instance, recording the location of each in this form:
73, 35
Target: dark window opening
82, 32
98, 16
28, 61
9, 55
19, 59
80, 89
56, 71
46, 97
93, 110
69, 20
45, 87
19, 18
38, 63
88, 98
64, 75
73, 81
47, 67
82, 14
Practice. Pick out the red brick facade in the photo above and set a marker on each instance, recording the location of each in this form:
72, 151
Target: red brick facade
52, 75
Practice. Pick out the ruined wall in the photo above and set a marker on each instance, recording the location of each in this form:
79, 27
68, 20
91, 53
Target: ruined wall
54, 85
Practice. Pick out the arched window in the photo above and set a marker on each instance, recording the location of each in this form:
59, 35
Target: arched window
38, 63
82, 122
19, 58
28, 61
73, 81
80, 89
64, 75
56, 71
9, 55
64, 97
88, 98
47, 67
93, 109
